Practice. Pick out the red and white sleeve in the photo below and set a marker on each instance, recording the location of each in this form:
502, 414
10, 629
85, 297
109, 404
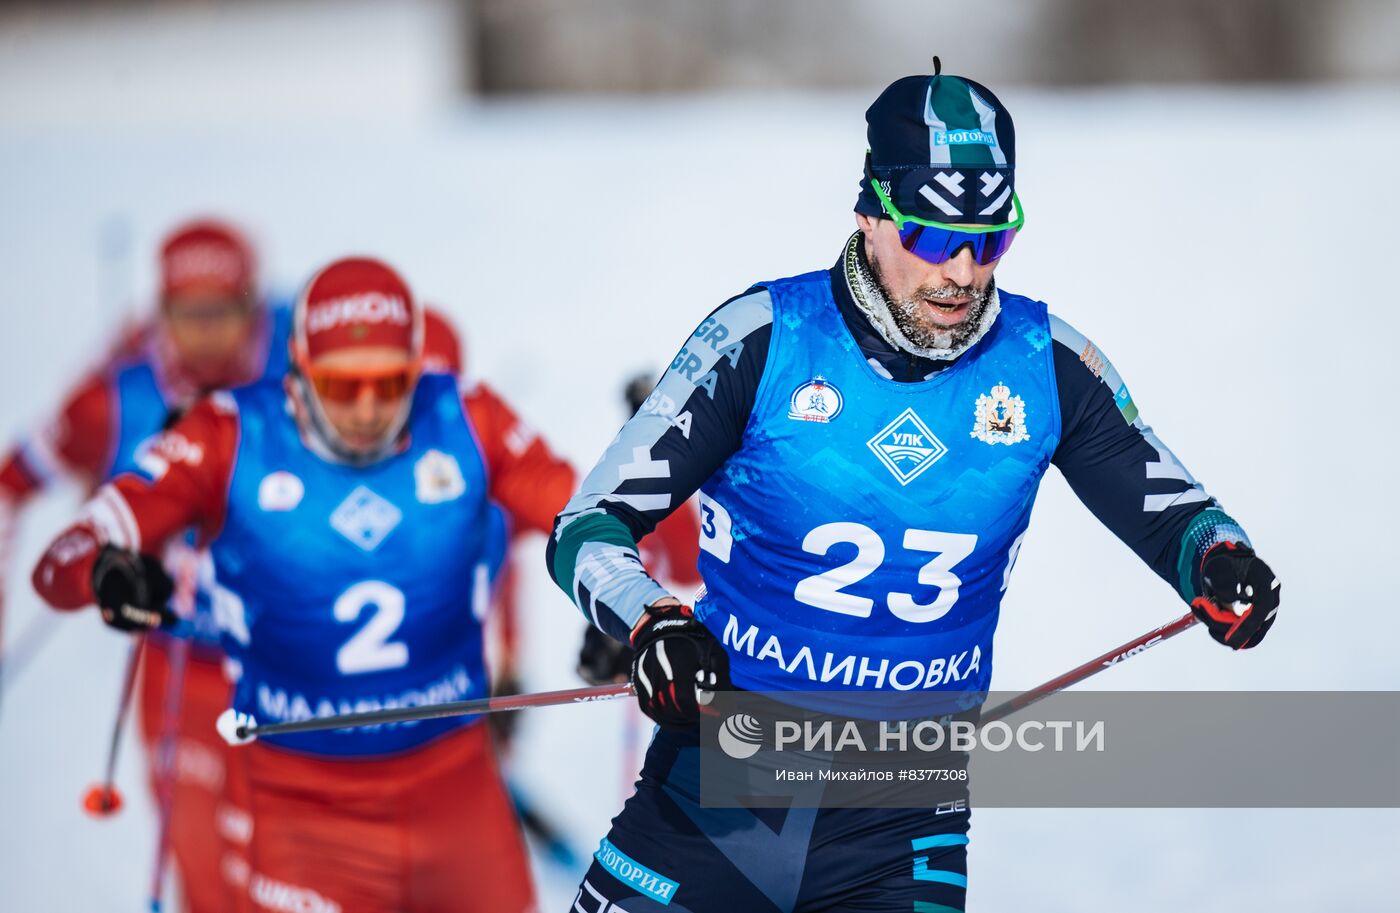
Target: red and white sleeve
77, 442
190, 467
526, 478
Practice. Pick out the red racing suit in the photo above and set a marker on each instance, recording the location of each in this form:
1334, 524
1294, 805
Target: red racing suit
94, 436
426, 829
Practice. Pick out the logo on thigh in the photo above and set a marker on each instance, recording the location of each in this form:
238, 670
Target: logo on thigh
635, 875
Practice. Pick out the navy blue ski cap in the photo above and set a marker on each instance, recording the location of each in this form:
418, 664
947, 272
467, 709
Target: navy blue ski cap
943, 148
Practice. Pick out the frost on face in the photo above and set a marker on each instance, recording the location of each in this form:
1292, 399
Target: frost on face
914, 327
912, 316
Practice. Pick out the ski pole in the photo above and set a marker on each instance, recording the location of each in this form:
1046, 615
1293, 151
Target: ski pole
1092, 667
26, 645
167, 766
103, 800
36, 634
552, 841
184, 565
239, 728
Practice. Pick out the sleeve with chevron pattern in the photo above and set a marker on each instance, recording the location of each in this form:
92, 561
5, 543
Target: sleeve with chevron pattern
1125, 474
685, 430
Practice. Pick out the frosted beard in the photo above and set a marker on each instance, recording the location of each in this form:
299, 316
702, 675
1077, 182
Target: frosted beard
906, 324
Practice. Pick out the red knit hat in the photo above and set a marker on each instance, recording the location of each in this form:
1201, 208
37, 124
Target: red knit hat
207, 255
442, 350
357, 302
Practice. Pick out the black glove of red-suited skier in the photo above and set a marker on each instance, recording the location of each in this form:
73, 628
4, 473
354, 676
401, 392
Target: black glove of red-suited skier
678, 665
132, 590
1240, 595
602, 660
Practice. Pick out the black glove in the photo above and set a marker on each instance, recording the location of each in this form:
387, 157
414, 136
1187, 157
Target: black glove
505, 724
1240, 595
602, 660
638, 388
132, 590
677, 667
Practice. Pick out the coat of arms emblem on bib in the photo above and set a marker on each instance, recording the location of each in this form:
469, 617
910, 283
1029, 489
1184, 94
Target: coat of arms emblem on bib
1000, 417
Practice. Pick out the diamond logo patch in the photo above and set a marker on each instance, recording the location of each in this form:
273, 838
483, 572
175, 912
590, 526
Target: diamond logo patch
907, 447
365, 518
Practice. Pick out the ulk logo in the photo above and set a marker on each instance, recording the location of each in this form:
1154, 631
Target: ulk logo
907, 447
741, 736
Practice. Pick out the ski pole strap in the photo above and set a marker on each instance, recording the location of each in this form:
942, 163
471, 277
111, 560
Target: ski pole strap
498, 704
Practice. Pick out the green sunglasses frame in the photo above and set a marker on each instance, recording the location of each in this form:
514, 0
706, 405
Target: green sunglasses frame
900, 218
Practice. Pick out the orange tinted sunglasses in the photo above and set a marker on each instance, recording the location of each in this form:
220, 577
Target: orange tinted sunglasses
345, 386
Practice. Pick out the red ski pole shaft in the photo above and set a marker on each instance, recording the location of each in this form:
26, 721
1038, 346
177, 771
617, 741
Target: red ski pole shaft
167, 766
183, 564
497, 704
103, 799
242, 731
1092, 667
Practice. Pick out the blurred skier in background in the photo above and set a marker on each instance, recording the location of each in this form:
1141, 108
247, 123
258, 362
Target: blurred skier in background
213, 328
349, 519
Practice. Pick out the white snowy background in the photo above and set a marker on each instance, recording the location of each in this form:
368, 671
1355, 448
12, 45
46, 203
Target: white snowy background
1232, 252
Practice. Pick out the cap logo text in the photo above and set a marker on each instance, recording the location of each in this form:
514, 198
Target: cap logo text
367, 307
964, 138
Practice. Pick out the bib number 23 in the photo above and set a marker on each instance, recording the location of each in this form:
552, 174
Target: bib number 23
827, 589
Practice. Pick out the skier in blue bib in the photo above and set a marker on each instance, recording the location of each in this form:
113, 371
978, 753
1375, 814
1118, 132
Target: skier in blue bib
867, 442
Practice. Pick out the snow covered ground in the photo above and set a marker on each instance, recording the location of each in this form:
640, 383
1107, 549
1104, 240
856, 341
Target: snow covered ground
1231, 252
